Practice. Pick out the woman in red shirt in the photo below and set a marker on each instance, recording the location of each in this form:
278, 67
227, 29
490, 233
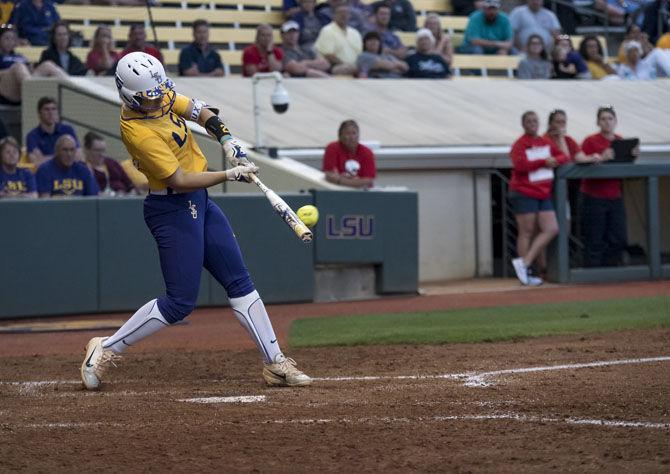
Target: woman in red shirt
533, 159
603, 217
346, 161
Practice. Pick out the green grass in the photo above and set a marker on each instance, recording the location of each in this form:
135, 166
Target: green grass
483, 324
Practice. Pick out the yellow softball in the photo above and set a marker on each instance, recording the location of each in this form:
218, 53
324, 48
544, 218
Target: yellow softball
309, 215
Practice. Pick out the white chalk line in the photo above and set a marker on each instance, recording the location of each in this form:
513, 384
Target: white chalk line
373, 420
238, 399
471, 379
479, 379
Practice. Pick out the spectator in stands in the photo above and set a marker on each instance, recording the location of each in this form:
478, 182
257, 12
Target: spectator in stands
592, 52
535, 65
465, 7
290, 8
568, 63
603, 217
425, 64
443, 45
14, 181
488, 32
359, 14
14, 68
533, 19
199, 58
108, 173
634, 33
348, 163
403, 17
102, 55
64, 175
300, 61
615, 10
41, 140
391, 43
376, 64
533, 160
59, 52
34, 20
137, 41
635, 69
656, 19
310, 22
263, 55
339, 43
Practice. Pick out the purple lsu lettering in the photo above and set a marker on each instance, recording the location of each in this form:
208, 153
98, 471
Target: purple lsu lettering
350, 226
68, 185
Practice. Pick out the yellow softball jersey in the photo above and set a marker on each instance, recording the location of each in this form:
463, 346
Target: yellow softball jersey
158, 146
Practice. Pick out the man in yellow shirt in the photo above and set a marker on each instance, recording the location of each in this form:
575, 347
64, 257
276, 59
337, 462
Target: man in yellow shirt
340, 44
190, 230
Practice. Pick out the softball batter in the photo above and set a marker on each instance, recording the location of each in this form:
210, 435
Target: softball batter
190, 230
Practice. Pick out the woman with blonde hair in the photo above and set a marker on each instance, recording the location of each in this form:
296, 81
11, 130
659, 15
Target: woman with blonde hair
102, 57
443, 45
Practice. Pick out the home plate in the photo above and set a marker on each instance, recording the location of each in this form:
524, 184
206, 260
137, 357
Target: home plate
240, 399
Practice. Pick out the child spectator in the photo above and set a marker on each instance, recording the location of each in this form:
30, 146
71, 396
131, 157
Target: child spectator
568, 63
533, 160
348, 163
34, 20
263, 55
310, 22
14, 181
64, 175
376, 64
489, 31
339, 43
592, 51
535, 65
108, 173
41, 140
14, 68
443, 45
603, 216
199, 58
59, 52
300, 61
102, 56
425, 64
391, 43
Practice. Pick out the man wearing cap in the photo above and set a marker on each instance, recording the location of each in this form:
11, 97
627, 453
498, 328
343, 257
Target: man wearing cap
425, 64
489, 31
534, 19
300, 61
198, 58
339, 43
263, 55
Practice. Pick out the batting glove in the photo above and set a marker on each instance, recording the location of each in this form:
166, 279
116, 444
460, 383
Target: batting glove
234, 152
242, 172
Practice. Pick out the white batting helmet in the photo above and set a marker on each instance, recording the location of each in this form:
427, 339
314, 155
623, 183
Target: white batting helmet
142, 83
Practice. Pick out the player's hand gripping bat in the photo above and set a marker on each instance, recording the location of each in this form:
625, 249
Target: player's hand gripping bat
284, 211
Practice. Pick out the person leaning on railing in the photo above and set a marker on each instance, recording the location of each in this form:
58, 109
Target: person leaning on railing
533, 161
14, 181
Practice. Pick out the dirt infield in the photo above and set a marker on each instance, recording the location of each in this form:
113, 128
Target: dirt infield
581, 403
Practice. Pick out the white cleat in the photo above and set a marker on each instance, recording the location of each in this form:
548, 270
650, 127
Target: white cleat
534, 281
521, 270
284, 373
96, 362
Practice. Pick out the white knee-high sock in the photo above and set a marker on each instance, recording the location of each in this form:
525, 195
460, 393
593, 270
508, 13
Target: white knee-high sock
250, 312
146, 321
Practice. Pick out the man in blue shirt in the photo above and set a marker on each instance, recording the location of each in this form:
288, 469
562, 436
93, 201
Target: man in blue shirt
198, 58
489, 31
41, 140
63, 175
34, 20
